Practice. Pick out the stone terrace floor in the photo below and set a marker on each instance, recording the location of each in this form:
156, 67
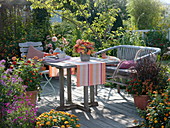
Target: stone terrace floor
114, 111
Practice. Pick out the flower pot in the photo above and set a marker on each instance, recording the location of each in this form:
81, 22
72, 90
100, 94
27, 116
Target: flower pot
84, 57
32, 95
141, 101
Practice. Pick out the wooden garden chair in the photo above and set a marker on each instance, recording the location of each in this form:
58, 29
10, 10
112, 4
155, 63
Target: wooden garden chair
128, 56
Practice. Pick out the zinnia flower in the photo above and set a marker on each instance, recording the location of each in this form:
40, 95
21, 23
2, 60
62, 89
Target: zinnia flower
54, 38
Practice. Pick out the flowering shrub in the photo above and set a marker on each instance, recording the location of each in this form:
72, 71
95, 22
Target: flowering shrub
10, 85
57, 119
157, 114
150, 76
28, 70
20, 113
53, 42
17, 111
138, 87
84, 47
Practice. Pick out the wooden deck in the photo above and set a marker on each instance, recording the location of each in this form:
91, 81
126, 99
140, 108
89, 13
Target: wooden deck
114, 111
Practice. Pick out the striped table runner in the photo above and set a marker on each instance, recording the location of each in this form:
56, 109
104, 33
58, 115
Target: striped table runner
89, 73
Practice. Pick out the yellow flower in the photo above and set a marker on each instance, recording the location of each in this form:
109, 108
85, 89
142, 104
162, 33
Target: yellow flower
162, 126
62, 118
66, 122
78, 125
62, 126
165, 118
161, 103
46, 116
37, 123
55, 120
155, 121
72, 120
48, 123
50, 117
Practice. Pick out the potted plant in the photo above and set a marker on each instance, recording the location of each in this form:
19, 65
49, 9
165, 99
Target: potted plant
28, 70
157, 113
57, 119
85, 48
150, 76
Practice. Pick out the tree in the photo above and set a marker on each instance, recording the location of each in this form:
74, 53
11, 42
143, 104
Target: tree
95, 24
145, 14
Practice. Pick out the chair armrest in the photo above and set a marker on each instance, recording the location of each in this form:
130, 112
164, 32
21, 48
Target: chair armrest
105, 50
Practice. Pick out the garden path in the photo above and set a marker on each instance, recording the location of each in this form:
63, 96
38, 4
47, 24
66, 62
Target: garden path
114, 111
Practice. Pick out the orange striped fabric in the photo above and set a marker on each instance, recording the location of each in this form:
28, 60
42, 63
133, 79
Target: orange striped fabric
91, 74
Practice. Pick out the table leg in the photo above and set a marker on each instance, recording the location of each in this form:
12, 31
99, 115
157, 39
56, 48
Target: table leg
91, 94
69, 96
86, 106
92, 102
61, 81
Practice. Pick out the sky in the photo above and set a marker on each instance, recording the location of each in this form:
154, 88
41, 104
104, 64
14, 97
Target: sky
165, 1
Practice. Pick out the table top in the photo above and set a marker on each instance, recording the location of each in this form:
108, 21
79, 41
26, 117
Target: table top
66, 64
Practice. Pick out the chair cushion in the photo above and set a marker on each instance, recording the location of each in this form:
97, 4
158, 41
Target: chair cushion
127, 64
32, 52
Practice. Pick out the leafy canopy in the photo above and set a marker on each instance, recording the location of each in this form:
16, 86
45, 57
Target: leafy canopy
92, 18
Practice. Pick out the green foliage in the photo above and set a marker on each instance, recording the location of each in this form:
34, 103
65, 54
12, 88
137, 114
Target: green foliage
145, 14
96, 29
17, 29
157, 38
129, 38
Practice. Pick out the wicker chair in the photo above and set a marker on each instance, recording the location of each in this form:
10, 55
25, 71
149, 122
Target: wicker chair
126, 53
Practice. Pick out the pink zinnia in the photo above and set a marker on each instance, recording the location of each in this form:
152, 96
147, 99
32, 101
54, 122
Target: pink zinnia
54, 38
50, 45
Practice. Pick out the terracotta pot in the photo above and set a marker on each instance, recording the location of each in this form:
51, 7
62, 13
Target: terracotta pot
32, 95
141, 101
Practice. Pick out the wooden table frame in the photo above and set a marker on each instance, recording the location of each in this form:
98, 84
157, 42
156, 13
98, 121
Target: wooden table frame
69, 104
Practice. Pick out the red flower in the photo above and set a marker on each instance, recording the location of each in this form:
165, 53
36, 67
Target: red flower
14, 62
28, 61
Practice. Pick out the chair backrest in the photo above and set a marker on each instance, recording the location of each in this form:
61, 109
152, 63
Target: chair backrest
24, 47
128, 52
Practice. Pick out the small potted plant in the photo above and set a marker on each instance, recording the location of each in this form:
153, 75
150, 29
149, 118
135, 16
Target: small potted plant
57, 119
28, 70
85, 48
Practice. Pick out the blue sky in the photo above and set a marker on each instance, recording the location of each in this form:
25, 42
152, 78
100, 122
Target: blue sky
165, 1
